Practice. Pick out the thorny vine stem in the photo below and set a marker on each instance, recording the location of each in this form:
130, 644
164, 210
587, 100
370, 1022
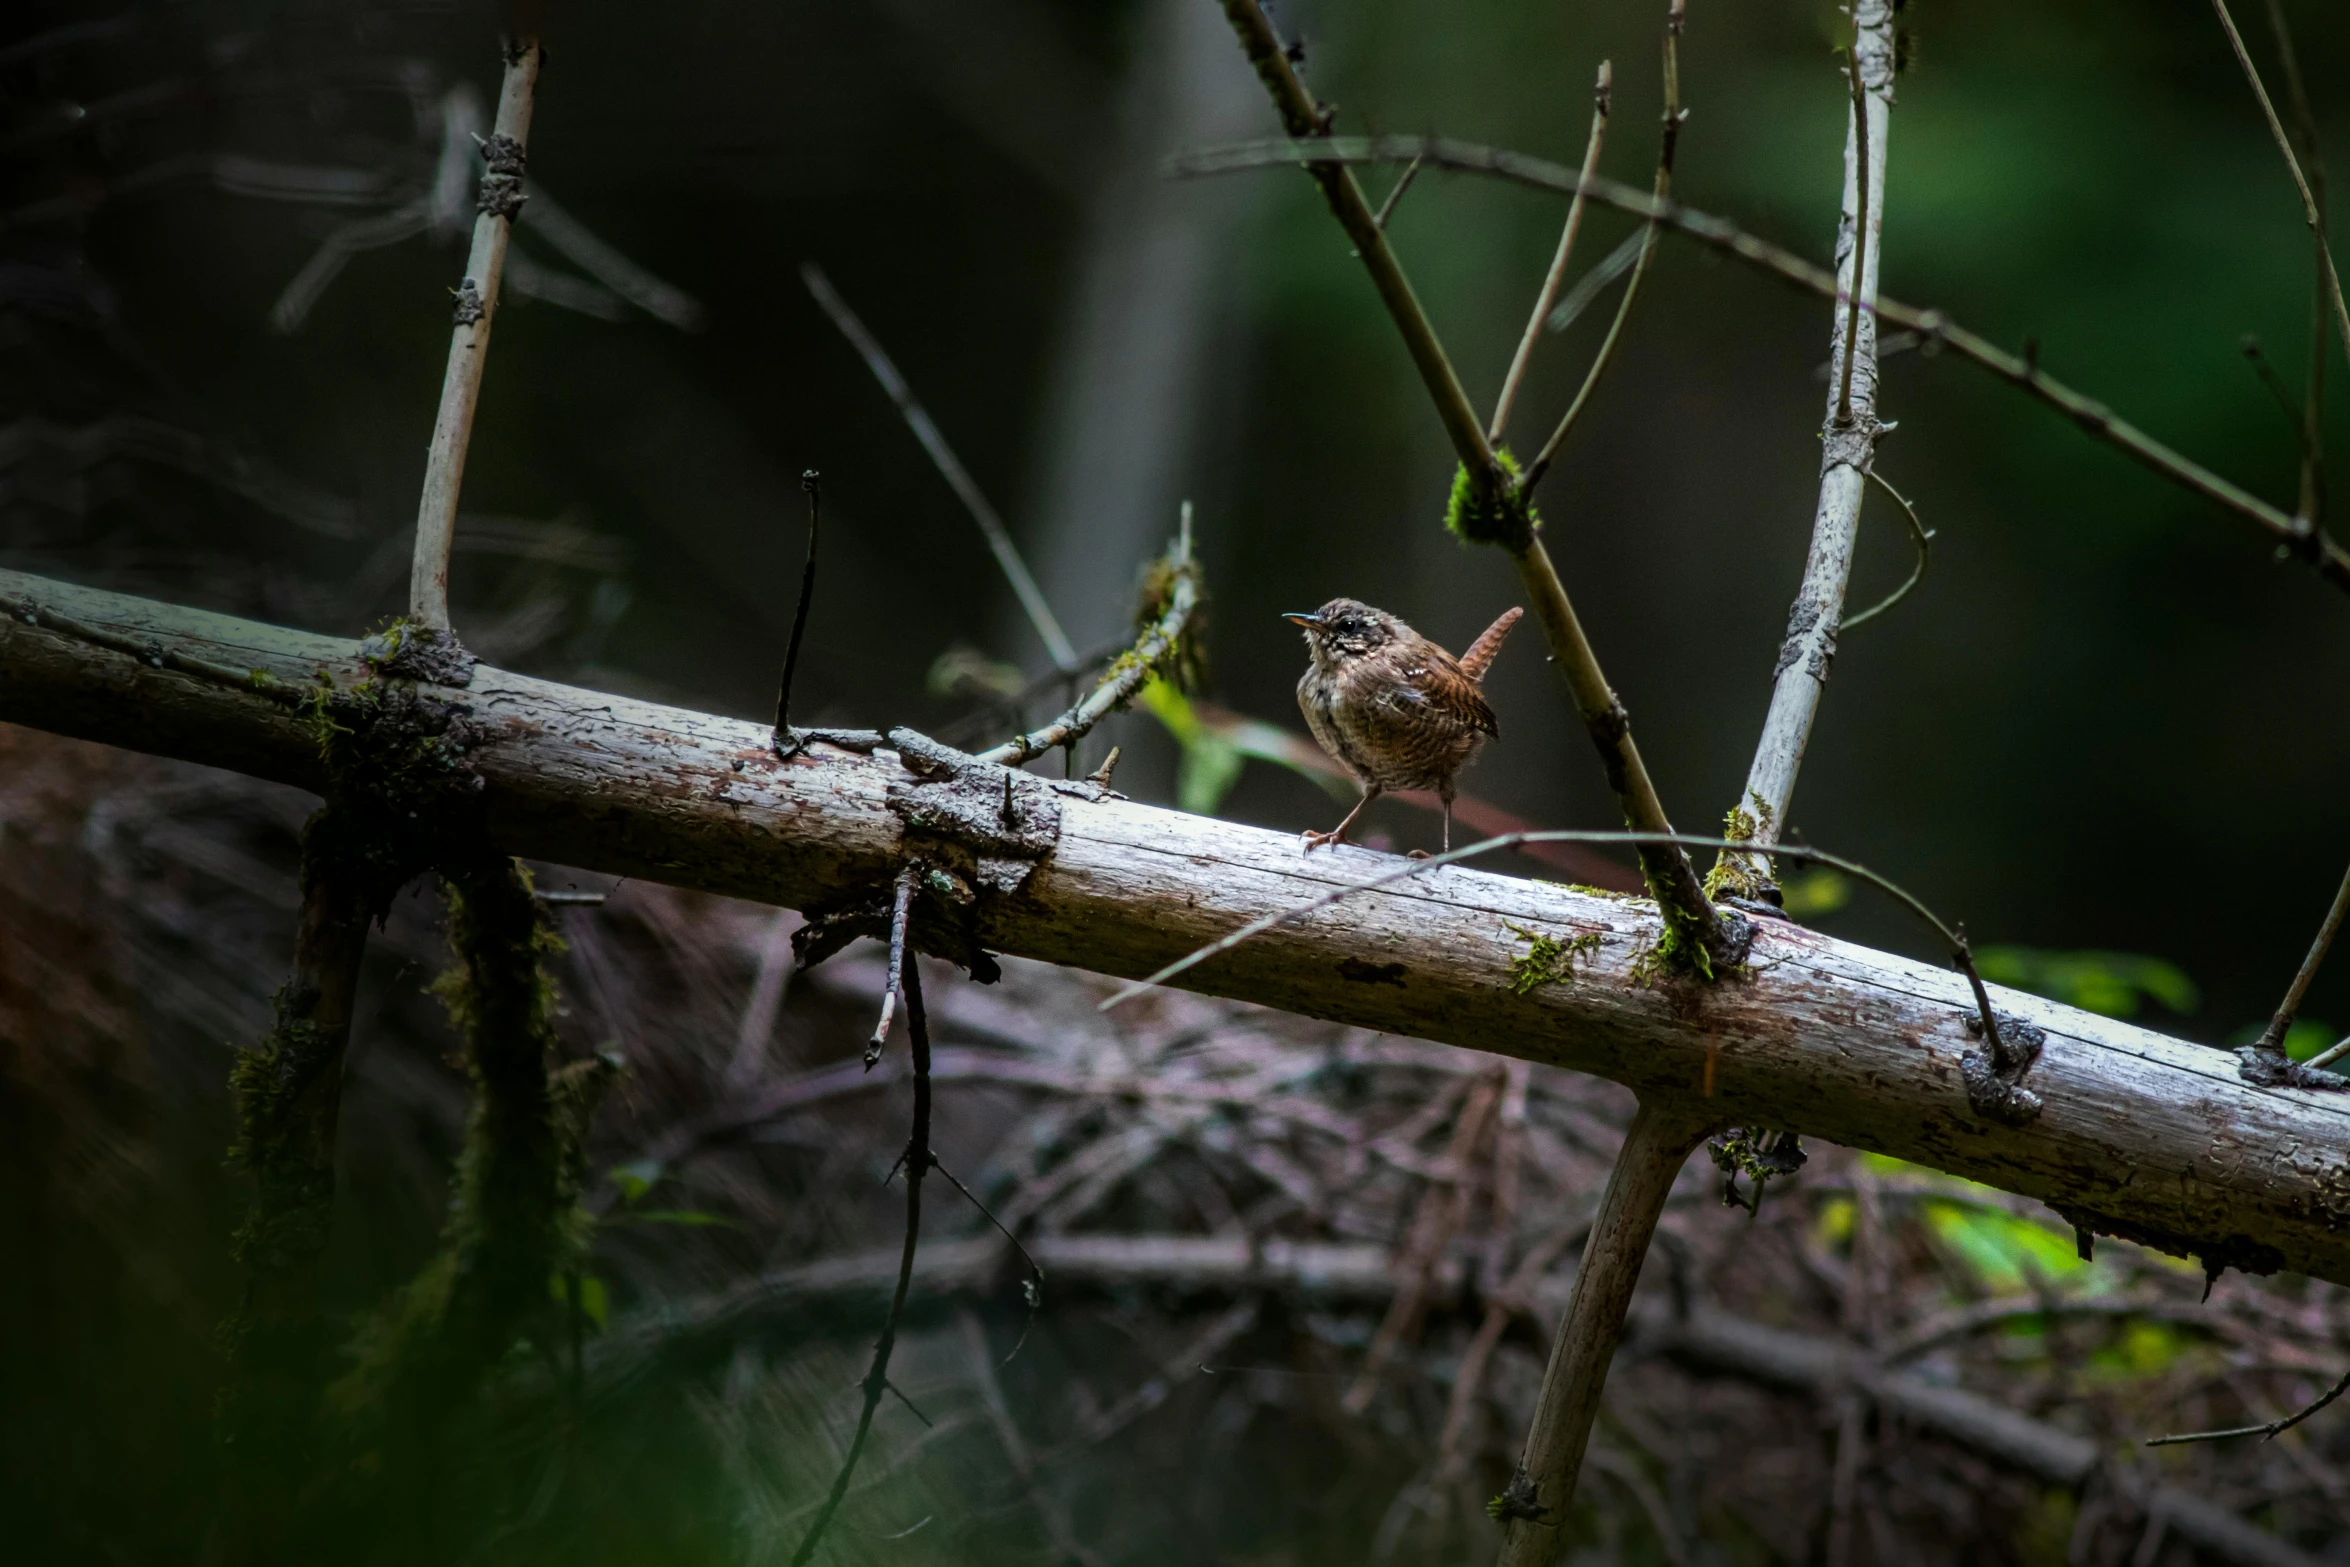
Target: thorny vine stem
1961, 955
2330, 559
2273, 1429
1848, 442
1534, 1509
917, 1163
469, 343
1126, 676
1558, 264
942, 456
1691, 921
1668, 147
901, 906
813, 483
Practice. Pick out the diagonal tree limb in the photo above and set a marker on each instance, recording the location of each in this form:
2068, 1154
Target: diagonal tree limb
2327, 555
1558, 264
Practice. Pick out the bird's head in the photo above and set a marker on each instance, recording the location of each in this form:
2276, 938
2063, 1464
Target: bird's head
1346, 629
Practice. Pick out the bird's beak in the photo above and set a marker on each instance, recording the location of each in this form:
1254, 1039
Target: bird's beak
1297, 619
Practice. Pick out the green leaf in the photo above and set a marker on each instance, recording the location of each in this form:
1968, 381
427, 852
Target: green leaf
1809, 894
635, 1178
2113, 983
2000, 1249
595, 1301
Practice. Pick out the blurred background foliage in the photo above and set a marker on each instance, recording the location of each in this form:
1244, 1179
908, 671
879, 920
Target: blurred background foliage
2097, 733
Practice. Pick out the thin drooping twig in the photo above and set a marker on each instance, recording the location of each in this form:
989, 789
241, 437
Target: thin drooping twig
1403, 182
1158, 641
2266, 1059
1593, 283
2313, 487
1668, 147
2328, 556
2272, 1429
901, 907
1848, 442
813, 483
1919, 535
1534, 1507
469, 344
2309, 202
1961, 954
917, 1163
1492, 509
942, 456
1558, 263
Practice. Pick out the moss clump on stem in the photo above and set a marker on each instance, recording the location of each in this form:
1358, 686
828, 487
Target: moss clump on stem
1736, 873
1495, 511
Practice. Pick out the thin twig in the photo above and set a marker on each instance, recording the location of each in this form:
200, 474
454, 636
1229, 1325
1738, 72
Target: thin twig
1403, 182
1158, 641
2274, 382
2309, 202
1031, 1288
2331, 560
901, 909
813, 483
917, 1162
2272, 1039
469, 343
950, 467
2313, 488
2272, 1429
1593, 283
1961, 954
1558, 263
1668, 146
154, 654
1919, 535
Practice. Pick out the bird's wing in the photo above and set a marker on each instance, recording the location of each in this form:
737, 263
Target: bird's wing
1481, 652
1436, 688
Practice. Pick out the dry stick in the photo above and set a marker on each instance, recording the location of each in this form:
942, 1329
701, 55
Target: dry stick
1534, 1507
1668, 147
2273, 1428
2331, 560
813, 483
469, 344
901, 906
1126, 676
950, 467
1668, 871
2270, 1049
1848, 440
2313, 166
917, 1162
1558, 263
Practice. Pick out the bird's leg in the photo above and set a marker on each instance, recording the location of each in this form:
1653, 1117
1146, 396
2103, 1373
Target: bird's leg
1337, 834
1446, 796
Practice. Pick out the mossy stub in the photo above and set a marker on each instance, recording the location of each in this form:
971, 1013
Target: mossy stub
1494, 512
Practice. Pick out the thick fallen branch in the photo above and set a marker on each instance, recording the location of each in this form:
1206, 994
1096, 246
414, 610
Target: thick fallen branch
2142, 1136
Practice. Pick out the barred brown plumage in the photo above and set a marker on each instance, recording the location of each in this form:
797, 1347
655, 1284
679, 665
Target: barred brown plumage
1393, 708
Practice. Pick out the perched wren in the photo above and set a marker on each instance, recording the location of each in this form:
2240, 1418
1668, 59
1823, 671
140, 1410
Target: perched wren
1392, 707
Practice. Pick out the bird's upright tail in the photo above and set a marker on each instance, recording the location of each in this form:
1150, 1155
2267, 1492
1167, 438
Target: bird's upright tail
1479, 658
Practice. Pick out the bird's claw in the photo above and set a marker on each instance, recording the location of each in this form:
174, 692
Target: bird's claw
1321, 840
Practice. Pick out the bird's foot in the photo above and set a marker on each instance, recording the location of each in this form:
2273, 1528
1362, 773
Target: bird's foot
1419, 854
1323, 840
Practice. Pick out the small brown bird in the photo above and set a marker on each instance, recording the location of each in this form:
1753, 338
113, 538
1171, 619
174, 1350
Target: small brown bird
1392, 707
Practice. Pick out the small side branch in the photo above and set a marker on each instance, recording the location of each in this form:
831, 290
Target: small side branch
2265, 1061
917, 1162
942, 456
469, 345
1161, 641
1600, 92
2273, 1429
1534, 1506
813, 484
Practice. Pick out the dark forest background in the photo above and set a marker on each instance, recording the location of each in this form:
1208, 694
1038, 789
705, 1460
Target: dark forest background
2109, 720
